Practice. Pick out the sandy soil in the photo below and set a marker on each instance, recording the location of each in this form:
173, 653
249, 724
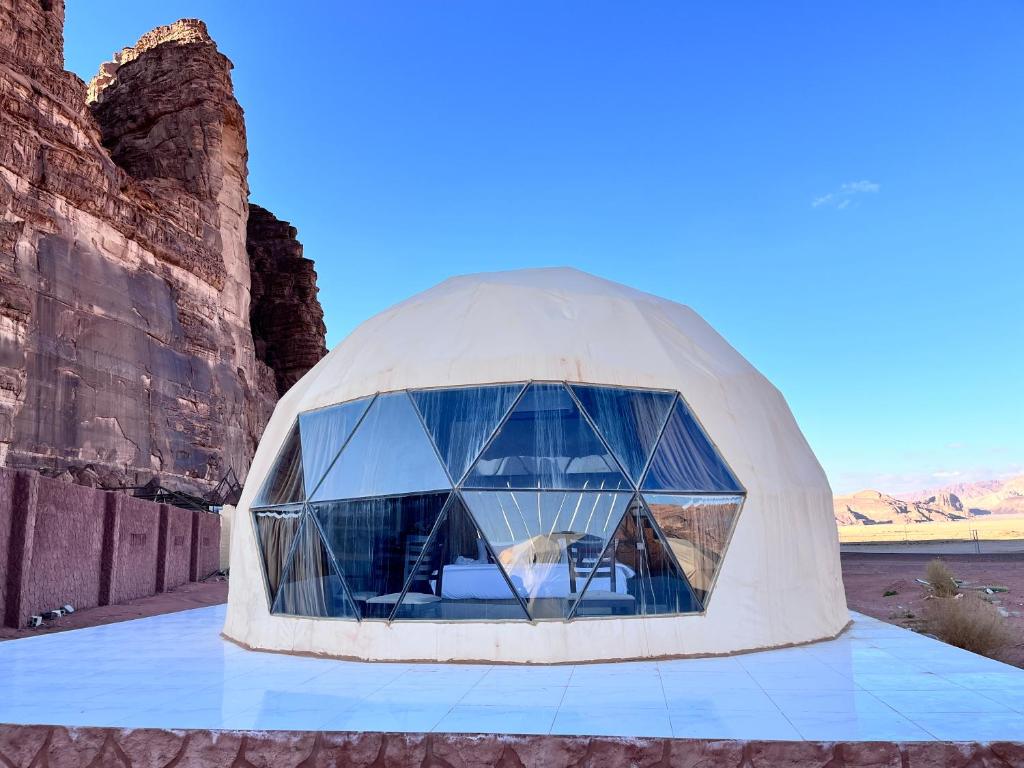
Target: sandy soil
210, 592
869, 576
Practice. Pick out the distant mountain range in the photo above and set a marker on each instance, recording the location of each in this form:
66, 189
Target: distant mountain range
954, 502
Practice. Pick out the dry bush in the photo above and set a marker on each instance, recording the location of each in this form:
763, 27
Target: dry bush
940, 578
968, 622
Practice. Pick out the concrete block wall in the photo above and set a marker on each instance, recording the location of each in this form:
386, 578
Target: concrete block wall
63, 543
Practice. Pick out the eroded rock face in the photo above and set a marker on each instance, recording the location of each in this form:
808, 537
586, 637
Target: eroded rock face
287, 320
126, 350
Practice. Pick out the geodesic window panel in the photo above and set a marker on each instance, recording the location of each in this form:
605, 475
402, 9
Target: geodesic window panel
283, 484
542, 539
389, 453
275, 532
629, 420
540, 501
697, 529
655, 584
461, 420
685, 459
324, 433
546, 443
311, 584
457, 577
377, 543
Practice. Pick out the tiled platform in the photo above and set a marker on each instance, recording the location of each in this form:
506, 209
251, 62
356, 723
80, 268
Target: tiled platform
875, 683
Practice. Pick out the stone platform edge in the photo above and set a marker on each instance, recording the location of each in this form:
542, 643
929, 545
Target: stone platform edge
59, 747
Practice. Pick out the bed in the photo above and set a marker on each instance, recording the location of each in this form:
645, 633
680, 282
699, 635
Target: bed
483, 581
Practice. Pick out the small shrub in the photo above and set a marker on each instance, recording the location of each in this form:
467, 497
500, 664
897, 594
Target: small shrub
889, 593
940, 578
968, 622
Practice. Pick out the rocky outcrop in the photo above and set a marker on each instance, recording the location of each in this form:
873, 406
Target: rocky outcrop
287, 320
996, 497
874, 507
126, 350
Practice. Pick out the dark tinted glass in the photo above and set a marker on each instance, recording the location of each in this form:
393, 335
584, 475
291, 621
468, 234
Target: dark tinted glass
654, 583
389, 454
546, 443
376, 543
542, 540
460, 420
284, 481
697, 528
275, 531
323, 434
628, 419
685, 460
311, 585
458, 577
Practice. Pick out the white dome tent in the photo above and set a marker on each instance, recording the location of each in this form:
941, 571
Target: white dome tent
537, 466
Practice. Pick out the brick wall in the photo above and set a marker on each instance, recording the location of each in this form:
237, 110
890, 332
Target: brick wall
63, 543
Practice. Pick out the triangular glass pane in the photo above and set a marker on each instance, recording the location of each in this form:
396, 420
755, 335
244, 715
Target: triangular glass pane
697, 529
389, 454
458, 576
685, 460
324, 432
628, 419
460, 420
311, 585
546, 443
283, 484
376, 543
533, 532
275, 531
653, 584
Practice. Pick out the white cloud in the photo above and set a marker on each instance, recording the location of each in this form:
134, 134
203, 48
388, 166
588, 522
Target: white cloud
841, 198
947, 473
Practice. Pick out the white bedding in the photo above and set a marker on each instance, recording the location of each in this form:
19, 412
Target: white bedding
477, 581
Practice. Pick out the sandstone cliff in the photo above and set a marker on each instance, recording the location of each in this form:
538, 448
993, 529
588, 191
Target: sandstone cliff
873, 507
287, 321
125, 338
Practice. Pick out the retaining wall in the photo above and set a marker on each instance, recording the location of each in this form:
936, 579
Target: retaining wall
67, 544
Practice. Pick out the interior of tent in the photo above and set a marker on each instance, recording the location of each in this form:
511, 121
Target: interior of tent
523, 501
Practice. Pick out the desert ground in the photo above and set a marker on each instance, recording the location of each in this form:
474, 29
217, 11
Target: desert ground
868, 576
989, 528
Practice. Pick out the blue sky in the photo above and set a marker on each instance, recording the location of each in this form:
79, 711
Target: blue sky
836, 188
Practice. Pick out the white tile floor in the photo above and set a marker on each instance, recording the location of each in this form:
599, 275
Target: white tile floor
876, 682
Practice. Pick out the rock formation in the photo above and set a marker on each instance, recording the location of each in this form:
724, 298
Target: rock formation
126, 350
955, 502
287, 321
874, 507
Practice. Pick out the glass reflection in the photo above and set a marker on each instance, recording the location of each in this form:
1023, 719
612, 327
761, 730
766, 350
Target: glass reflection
546, 443
284, 481
656, 585
323, 433
697, 529
461, 420
458, 576
311, 585
629, 420
389, 454
685, 459
544, 541
377, 543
